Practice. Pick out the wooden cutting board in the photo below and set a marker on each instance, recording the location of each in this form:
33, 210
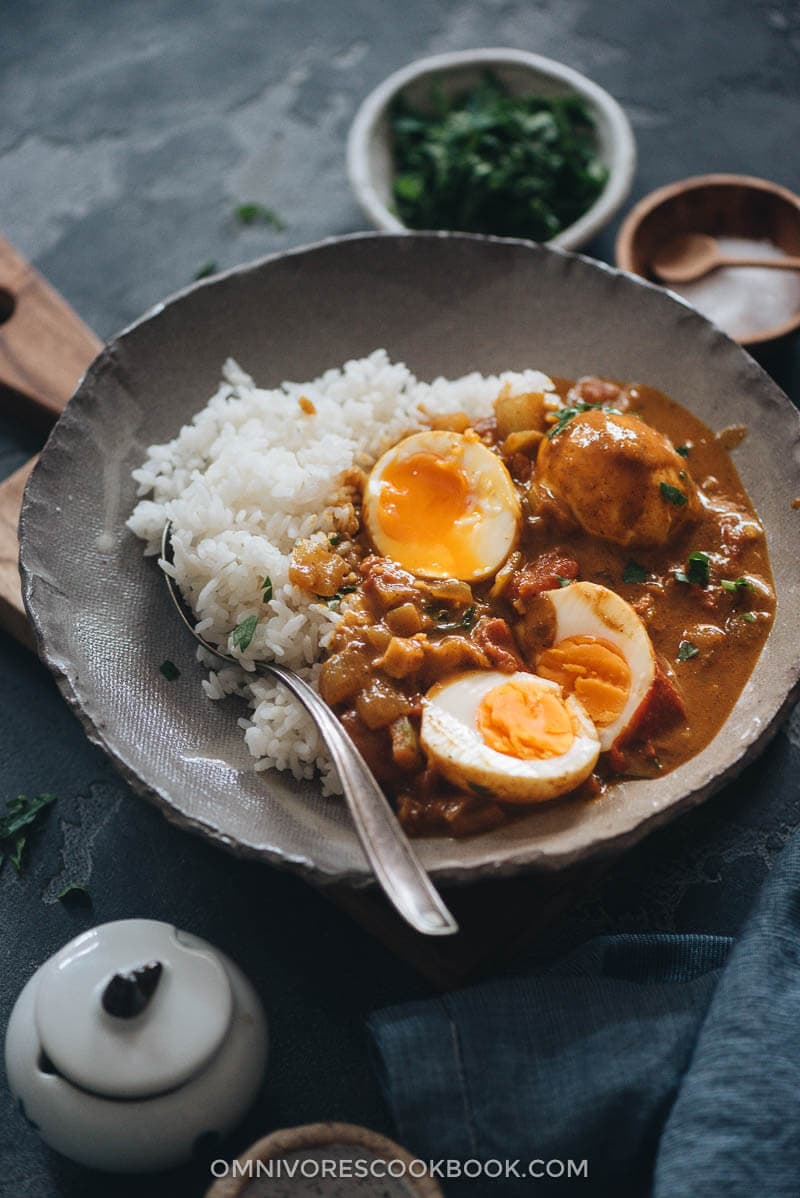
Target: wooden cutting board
45, 348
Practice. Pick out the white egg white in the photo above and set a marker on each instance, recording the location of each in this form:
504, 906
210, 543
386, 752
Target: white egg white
453, 743
588, 609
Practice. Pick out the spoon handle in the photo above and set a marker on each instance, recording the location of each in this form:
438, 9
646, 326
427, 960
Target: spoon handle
771, 263
396, 865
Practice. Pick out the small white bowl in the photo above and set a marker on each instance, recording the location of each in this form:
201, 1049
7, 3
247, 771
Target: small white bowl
369, 155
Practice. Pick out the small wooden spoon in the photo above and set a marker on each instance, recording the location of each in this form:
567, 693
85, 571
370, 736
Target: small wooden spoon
692, 255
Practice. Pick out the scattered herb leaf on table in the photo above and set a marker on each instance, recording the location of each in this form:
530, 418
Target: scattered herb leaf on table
17, 822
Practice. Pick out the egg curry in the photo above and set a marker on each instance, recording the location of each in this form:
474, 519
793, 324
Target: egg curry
569, 592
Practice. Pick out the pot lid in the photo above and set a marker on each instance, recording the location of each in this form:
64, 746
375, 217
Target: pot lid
133, 1008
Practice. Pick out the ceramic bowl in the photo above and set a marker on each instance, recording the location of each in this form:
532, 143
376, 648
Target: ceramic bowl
369, 154
722, 205
104, 622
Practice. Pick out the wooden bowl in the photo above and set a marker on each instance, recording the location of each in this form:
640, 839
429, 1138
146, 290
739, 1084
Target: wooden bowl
399, 1176
722, 205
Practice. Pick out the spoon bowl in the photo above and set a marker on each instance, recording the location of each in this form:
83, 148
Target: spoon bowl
690, 256
385, 844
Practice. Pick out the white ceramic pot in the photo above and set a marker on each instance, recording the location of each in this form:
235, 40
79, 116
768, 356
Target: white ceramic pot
135, 1044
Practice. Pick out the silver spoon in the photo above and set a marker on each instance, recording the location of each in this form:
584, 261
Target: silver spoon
396, 865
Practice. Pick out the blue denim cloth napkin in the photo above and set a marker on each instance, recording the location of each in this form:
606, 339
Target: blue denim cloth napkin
671, 1064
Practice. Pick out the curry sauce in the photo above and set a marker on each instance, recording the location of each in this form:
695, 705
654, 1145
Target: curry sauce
696, 572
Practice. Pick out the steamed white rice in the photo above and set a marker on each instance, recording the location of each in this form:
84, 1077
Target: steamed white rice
251, 475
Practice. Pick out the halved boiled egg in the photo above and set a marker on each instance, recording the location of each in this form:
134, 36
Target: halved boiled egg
443, 506
601, 654
514, 735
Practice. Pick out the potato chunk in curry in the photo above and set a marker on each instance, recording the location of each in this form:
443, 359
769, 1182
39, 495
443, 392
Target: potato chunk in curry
619, 478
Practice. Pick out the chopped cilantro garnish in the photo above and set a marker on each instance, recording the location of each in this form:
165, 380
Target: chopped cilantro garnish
563, 581
446, 621
437, 613
334, 538
672, 494
736, 584
73, 889
697, 568
208, 268
683, 450
564, 415
633, 572
266, 588
251, 214
20, 815
169, 670
243, 633
750, 617
686, 650
333, 600
488, 161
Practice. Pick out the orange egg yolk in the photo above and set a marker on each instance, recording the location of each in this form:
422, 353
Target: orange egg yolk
525, 721
427, 506
594, 671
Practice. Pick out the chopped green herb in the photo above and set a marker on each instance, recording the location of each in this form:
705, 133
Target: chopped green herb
243, 633
20, 815
697, 568
633, 572
251, 214
564, 417
732, 586
169, 670
566, 414
208, 268
487, 161
16, 850
333, 600
750, 617
21, 812
73, 889
563, 581
686, 650
266, 588
334, 538
696, 572
437, 613
673, 495
446, 621
683, 450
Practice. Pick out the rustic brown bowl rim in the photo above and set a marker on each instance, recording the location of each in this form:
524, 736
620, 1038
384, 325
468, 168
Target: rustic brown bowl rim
318, 1135
623, 250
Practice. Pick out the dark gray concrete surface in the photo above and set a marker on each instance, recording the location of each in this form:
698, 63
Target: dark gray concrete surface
130, 132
